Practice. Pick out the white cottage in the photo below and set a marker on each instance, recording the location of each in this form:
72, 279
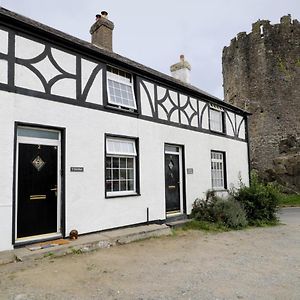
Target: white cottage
91, 140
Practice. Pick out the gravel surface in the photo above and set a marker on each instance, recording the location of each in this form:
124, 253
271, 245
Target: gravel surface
261, 263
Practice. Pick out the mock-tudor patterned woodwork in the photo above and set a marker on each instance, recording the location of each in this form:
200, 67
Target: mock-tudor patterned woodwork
38, 68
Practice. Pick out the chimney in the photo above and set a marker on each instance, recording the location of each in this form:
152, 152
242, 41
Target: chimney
181, 70
101, 31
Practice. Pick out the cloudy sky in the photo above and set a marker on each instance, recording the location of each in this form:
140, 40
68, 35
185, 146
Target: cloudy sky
156, 32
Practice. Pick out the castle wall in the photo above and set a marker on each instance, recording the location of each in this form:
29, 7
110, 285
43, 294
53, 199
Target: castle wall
261, 72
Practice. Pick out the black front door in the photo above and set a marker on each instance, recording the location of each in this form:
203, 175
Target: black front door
37, 190
172, 182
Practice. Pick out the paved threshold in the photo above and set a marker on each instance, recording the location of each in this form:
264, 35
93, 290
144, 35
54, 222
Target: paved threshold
88, 242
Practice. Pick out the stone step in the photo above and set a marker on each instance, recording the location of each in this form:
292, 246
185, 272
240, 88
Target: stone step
178, 223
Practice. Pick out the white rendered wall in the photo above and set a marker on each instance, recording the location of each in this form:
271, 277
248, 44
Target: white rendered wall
87, 209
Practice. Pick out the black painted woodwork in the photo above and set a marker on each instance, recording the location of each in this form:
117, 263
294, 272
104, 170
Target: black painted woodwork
172, 182
36, 215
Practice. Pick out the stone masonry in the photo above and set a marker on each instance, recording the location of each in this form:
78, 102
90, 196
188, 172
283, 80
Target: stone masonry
261, 72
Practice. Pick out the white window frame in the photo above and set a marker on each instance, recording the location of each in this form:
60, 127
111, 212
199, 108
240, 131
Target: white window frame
216, 118
123, 80
120, 153
218, 170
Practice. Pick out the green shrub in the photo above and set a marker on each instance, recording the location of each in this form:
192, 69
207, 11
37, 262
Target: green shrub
226, 212
260, 201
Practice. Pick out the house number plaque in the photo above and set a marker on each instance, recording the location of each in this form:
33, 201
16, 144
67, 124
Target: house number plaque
77, 169
190, 171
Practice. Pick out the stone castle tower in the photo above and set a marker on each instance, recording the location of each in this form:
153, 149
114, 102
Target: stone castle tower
261, 72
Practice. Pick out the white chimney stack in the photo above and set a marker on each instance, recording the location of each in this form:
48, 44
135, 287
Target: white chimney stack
181, 70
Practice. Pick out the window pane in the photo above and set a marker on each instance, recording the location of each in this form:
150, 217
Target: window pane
216, 120
116, 187
120, 147
108, 174
115, 162
122, 162
120, 89
108, 186
115, 173
217, 170
129, 162
123, 185
122, 174
108, 162
130, 174
130, 185
38, 133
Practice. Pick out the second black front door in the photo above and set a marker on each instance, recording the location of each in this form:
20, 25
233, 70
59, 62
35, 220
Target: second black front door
37, 190
172, 184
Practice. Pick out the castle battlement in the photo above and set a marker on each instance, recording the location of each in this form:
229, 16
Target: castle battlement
261, 72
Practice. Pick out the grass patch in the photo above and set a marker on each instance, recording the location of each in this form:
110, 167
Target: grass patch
204, 225
266, 223
217, 227
50, 254
289, 200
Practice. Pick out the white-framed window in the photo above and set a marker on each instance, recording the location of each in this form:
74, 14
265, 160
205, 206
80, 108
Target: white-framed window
216, 118
218, 170
120, 88
120, 166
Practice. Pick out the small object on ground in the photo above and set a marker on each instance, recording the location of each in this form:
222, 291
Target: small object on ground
73, 234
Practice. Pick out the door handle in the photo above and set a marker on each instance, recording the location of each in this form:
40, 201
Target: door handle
37, 197
172, 186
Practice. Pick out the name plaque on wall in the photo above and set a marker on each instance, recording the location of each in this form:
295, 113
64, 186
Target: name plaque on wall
190, 171
77, 169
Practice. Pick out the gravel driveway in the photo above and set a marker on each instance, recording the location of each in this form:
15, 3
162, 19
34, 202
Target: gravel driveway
261, 263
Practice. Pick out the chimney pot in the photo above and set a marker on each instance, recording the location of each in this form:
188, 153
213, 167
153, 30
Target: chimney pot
104, 14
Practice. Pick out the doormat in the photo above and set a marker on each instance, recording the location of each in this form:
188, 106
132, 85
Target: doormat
48, 244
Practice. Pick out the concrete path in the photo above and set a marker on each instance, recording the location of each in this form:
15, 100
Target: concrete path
87, 243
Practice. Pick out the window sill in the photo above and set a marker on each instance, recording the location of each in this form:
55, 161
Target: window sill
120, 195
121, 109
219, 190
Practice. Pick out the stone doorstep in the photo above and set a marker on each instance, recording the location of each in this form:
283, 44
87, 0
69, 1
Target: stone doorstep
178, 223
87, 243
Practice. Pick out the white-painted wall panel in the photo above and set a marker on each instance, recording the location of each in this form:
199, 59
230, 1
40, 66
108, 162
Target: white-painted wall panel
65, 87
65, 60
46, 68
27, 79
27, 49
161, 92
145, 101
230, 123
3, 41
6, 174
194, 105
95, 94
240, 123
150, 88
205, 121
3, 71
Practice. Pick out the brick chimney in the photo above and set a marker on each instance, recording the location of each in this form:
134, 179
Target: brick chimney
181, 70
102, 31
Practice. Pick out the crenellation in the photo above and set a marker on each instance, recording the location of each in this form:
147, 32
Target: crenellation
261, 72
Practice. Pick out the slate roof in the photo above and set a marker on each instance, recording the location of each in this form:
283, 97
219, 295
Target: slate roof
10, 17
